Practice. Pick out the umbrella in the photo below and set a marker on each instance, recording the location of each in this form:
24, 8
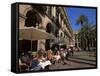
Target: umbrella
31, 33
71, 45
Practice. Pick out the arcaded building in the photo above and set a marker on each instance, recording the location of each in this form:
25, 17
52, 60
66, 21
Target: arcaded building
49, 20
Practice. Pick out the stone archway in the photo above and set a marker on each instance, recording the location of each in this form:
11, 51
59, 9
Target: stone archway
47, 42
32, 18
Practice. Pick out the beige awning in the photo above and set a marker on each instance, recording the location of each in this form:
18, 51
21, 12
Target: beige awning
31, 33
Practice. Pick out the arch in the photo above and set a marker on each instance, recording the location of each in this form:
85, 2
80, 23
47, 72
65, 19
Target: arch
27, 9
61, 33
40, 8
48, 30
32, 18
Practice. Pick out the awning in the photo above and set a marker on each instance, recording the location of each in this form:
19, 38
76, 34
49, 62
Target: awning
31, 33
60, 41
70, 45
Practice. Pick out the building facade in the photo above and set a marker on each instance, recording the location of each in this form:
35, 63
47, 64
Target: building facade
76, 40
50, 19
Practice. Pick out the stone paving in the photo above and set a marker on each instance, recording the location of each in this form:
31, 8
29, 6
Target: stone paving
80, 59
85, 55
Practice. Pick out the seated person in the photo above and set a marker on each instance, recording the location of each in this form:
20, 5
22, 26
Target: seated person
24, 62
34, 64
25, 58
56, 57
49, 55
44, 62
22, 66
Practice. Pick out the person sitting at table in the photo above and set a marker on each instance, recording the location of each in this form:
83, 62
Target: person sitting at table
57, 56
35, 64
25, 58
49, 55
45, 64
43, 61
23, 63
22, 66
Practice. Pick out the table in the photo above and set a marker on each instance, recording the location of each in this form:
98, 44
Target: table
43, 64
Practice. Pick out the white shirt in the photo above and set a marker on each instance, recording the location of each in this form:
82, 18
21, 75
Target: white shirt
57, 57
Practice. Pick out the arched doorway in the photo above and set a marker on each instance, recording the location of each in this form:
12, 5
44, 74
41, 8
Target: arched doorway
32, 18
48, 30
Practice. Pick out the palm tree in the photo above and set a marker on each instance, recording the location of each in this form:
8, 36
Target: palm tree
82, 20
84, 31
82, 38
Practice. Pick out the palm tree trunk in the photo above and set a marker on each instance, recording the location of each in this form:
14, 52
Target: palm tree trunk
88, 44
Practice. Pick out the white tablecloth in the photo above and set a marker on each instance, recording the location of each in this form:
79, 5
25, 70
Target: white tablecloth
45, 63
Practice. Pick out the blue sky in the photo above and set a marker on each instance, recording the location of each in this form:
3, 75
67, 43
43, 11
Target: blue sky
75, 12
